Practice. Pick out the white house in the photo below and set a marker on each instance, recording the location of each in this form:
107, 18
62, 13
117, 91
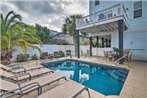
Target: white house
118, 23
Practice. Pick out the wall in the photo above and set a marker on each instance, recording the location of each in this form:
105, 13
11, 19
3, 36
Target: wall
102, 5
99, 51
51, 48
129, 43
136, 41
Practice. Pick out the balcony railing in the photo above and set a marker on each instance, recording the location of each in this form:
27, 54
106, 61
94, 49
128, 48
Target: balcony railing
106, 14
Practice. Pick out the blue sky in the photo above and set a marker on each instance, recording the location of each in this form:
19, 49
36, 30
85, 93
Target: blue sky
50, 13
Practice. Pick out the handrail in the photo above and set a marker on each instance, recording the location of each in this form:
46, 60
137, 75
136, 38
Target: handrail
120, 59
129, 60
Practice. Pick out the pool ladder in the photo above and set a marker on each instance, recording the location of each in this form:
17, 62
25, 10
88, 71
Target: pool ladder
129, 61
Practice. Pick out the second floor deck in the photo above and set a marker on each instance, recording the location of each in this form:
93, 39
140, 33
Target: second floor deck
105, 16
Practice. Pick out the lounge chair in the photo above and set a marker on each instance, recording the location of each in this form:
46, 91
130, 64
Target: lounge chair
24, 88
19, 69
24, 76
69, 89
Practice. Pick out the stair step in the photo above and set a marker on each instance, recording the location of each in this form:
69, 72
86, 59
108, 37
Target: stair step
123, 72
117, 75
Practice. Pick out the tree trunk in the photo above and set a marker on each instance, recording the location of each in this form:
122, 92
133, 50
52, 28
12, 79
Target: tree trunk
6, 55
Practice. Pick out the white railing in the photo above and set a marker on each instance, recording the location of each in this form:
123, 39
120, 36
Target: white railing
129, 56
108, 13
119, 59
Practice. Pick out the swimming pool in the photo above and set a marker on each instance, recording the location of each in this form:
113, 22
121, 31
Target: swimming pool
103, 79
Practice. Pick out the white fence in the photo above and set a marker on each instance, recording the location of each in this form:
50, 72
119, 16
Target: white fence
52, 48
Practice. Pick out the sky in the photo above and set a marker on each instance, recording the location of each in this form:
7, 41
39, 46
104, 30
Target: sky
49, 13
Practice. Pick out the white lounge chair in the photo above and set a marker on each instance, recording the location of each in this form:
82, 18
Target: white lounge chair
15, 89
24, 76
69, 89
19, 69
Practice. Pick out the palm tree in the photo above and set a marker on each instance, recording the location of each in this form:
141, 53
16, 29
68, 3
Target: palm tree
9, 21
12, 35
69, 27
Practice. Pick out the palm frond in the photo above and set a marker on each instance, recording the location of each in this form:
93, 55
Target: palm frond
8, 15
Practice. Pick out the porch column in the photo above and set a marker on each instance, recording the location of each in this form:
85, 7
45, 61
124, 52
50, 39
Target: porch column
120, 35
97, 38
90, 46
106, 40
78, 44
102, 42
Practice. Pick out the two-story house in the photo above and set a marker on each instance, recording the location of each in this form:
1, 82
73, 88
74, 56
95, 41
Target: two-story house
121, 24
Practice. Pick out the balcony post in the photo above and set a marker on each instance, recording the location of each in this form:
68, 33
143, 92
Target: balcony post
90, 46
102, 42
120, 35
97, 38
78, 44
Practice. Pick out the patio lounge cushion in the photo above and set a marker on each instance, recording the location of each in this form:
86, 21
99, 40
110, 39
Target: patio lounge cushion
21, 70
42, 81
33, 73
68, 89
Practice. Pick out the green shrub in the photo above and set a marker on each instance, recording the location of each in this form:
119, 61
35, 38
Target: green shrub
61, 53
21, 57
34, 57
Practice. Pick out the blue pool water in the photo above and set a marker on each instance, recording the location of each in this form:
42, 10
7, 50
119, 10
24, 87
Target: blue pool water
103, 79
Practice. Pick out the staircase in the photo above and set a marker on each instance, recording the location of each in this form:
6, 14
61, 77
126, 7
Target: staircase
120, 75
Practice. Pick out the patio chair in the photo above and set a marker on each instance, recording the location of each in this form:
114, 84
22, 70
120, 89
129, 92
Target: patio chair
24, 88
23, 76
68, 53
56, 54
19, 68
126, 54
69, 89
45, 55
110, 55
105, 55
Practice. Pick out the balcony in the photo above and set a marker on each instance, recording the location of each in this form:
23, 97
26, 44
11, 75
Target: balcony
108, 16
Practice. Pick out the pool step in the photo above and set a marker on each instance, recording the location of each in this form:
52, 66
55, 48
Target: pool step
117, 75
123, 72
120, 74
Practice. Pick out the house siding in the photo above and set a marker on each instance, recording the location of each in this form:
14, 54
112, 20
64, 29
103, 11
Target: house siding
135, 38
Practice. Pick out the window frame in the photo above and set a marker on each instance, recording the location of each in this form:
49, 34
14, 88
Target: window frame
97, 3
137, 9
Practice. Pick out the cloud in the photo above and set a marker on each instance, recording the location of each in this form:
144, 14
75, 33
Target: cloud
50, 13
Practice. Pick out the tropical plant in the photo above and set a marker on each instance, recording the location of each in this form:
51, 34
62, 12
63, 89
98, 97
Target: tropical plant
21, 57
34, 57
44, 34
12, 35
69, 27
10, 21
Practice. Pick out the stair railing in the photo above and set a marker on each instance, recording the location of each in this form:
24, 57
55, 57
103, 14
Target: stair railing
120, 59
129, 60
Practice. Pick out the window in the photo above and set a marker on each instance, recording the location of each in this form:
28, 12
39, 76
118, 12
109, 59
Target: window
97, 2
137, 9
109, 14
118, 10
